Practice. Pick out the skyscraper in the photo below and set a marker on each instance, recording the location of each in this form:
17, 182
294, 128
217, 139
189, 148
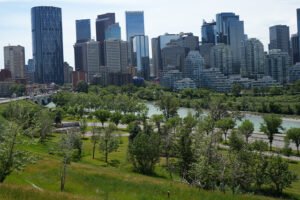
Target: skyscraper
280, 38
222, 26
221, 58
92, 59
277, 64
208, 32
113, 32
83, 30
230, 31
295, 48
253, 59
116, 55
298, 27
141, 55
102, 22
14, 61
194, 65
157, 45
134, 24
47, 42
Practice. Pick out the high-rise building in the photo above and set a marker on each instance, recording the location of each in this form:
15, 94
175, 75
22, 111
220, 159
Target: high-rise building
113, 32
277, 64
173, 55
295, 48
102, 23
221, 58
141, 55
208, 32
14, 61
222, 26
253, 59
193, 66
187, 41
29, 71
205, 49
134, 24
80, 56
116, 55
230, 31
47, 44
68, 70
236, 38
83, 30
157, 45
280, 38
92, 59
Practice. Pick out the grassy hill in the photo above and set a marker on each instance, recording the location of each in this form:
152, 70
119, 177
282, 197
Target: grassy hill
93, 179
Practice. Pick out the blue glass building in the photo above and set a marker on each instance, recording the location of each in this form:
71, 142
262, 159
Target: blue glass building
298, 29
208, 33
113, 32
141, 55
83, 30
134, 23
47, 44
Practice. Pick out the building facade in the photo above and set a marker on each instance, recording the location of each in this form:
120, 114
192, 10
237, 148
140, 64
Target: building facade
208, 32
83, 30
193, 66
141, 57
253, 59
14, 61
221, 58
295, 49
134, 24
280, 38
47, 45
277, 64
113, 32
116, 55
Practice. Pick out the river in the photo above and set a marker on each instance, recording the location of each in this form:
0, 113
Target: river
287, 123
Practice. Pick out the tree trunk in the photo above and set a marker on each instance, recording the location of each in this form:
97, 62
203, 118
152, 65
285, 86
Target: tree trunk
94, 148
106, 151
63, 176
298, 152
271, 145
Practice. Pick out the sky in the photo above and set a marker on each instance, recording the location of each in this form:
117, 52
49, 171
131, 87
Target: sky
161, 16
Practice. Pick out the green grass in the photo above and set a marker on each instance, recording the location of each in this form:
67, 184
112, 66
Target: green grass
96, 180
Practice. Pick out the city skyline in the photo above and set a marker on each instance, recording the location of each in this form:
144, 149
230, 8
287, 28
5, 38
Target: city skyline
256, 23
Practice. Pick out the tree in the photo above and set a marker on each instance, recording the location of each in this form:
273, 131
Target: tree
82, 86
207, 125
108, 141
43, 124
144, 152
246, 129
11, 158
58, 117
18, 89
95, 139
116, 118
236, 90
271, 126
128, 118
169, 105
225, 125
83, 126
294, 135
279, 174
157, 119
66, 146
102, 116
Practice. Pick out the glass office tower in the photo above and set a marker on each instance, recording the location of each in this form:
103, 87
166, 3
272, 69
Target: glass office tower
47, 44
208, 32
113, 32
141, 55
83, 30
134, 24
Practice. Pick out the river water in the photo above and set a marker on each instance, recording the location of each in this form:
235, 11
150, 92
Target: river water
287, 123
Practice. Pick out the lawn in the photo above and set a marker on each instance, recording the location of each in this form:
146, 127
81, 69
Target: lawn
94, 179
